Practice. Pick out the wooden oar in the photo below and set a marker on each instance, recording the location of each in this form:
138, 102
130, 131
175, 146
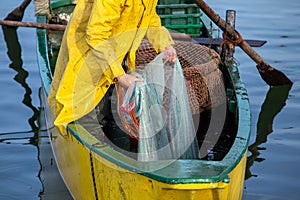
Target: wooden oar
269, 74
58, 27
33, 25
175, 35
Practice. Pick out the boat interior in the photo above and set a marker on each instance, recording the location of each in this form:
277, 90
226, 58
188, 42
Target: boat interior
202, 114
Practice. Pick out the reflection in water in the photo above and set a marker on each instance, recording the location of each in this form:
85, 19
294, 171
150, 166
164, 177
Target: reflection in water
274, 102
14, 53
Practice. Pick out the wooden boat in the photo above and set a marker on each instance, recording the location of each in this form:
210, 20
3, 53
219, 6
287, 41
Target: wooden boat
93, 170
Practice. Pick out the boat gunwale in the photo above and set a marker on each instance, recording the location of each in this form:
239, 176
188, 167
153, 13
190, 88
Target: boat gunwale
229, 162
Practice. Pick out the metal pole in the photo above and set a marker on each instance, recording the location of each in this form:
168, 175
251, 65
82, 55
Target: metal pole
229, 47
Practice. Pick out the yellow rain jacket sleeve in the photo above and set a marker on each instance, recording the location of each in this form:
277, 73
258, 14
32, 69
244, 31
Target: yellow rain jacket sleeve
98, 36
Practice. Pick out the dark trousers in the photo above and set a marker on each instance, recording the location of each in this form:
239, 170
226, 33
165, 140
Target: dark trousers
102, 124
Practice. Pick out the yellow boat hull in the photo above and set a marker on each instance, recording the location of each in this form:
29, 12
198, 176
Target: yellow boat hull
91, 176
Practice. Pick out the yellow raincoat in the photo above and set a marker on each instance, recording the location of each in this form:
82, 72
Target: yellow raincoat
98, 36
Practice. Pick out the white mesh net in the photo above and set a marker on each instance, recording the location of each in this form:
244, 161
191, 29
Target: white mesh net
161, 106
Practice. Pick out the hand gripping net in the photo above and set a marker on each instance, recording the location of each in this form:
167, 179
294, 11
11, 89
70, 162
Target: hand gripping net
165, 128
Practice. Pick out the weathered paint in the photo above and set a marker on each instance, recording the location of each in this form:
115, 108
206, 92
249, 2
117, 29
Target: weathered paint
115, 182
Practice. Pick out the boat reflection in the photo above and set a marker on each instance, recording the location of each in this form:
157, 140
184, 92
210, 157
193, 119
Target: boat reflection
273, 104
52, 187
14, 53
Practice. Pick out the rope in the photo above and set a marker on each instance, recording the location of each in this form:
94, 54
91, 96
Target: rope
41, 7
237, 41
227, 40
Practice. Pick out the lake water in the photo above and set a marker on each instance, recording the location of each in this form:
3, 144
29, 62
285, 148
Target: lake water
27, 169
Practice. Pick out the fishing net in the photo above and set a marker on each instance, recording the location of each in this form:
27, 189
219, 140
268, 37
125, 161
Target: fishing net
160, 106
200, 65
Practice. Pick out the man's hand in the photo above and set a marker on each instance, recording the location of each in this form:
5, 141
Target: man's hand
170, 54
127, 79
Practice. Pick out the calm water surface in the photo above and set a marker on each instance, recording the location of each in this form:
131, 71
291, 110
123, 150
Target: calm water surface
27, 170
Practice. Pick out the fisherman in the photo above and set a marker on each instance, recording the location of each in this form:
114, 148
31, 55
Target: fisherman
97, 51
